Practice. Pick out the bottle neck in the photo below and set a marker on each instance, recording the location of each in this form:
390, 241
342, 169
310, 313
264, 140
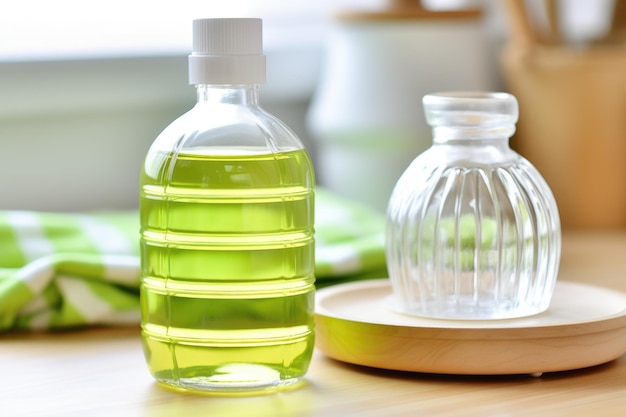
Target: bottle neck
235, 94
472, 134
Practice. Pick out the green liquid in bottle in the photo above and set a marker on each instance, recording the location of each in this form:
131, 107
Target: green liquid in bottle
227, 268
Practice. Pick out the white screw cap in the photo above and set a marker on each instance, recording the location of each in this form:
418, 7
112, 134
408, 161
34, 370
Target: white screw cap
227, 51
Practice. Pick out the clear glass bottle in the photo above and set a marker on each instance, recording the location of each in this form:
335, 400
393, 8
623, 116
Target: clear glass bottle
473, 230
227, 244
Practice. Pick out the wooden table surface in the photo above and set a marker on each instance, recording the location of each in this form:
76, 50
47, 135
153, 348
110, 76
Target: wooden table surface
102, 372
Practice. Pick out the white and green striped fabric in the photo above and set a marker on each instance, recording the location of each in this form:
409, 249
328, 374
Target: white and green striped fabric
62, 270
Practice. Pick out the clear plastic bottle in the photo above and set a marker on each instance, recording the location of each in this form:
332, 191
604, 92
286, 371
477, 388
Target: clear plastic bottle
227, 240
473, 230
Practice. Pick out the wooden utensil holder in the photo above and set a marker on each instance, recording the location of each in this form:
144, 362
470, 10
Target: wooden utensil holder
572, 123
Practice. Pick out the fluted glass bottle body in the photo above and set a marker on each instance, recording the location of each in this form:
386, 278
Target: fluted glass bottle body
473, 229
227, 209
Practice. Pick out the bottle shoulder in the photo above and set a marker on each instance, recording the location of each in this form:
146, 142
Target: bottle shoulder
439, 164
241, 148
228, 126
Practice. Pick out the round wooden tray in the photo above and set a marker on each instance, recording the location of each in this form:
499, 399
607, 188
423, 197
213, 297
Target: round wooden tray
584, 326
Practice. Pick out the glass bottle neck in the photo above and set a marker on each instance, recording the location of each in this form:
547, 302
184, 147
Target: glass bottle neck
237, 94
472, 134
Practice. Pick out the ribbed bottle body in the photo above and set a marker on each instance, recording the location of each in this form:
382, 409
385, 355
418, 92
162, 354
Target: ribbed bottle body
473, 242
227, 244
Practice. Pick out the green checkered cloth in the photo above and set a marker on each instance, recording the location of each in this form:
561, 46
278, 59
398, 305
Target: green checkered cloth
62, 270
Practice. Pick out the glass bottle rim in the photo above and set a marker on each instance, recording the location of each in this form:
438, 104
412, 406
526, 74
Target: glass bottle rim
468, 108
485, 101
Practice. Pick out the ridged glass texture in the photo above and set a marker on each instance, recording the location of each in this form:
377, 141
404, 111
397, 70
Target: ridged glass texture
473, 229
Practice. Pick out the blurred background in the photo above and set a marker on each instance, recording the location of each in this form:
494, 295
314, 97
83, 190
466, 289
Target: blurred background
85, 87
